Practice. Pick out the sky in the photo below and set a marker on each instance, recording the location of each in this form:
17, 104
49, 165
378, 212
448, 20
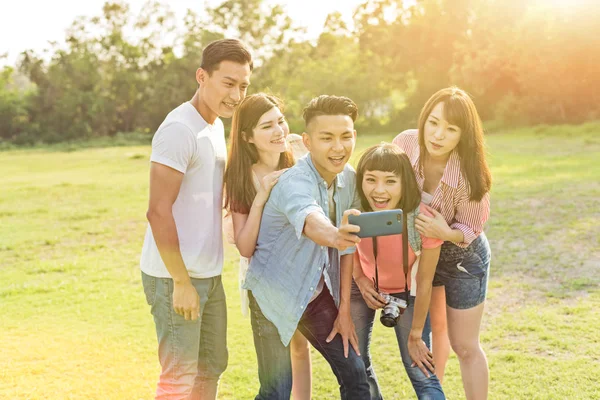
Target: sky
31, 24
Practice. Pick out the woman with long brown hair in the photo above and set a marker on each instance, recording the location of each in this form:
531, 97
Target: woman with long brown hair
447, 153
261, 150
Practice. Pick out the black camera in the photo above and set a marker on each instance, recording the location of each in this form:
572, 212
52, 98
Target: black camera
390, 314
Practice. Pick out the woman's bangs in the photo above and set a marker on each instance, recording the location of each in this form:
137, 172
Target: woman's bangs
382, 159
455, 111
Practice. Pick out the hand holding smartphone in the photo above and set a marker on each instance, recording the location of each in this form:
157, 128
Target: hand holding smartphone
378, 223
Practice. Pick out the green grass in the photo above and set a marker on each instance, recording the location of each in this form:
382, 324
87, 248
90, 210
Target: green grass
74, 323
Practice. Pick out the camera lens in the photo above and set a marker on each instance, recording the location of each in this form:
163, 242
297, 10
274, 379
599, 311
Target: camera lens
390, 315
388, 320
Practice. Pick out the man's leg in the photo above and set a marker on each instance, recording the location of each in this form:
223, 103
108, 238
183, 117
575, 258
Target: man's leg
316, 325
274, 359
178, 340
212, 354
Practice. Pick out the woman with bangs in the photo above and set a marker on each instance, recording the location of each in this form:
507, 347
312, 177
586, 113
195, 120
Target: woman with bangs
262, 148
447, 153
386, 181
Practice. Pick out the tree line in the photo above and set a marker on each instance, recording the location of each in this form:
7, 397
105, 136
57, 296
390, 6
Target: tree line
524, 62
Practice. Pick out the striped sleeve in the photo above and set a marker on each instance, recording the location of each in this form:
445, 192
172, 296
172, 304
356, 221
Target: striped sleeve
470, 217
407, 140
429, 242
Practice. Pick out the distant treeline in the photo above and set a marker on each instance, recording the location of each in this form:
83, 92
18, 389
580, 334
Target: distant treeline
524, 62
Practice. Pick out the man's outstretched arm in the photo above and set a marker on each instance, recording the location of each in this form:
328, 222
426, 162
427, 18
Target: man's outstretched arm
319, 229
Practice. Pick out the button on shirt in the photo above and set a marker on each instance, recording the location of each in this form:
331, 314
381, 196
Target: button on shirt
286, 266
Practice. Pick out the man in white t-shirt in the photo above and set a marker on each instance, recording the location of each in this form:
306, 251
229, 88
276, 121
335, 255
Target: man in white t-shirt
182, 257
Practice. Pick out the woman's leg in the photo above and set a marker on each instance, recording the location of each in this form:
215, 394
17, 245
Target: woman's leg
464, 272
439, 339
301, 367
463, 330
363, 318
425, 387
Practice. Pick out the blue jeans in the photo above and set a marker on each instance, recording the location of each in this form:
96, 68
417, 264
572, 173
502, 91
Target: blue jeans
192, 354
274, 361
464, 272
363, 318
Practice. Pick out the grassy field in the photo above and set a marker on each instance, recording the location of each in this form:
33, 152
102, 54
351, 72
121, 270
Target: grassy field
75, 325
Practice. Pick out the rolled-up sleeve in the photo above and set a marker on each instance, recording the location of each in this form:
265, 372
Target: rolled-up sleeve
357, 206
470, 218
293, 196
349, 250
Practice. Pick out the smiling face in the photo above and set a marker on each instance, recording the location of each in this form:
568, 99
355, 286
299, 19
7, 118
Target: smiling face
441, 137
223, 89
270, 132
386, 179
330, 140
382, 189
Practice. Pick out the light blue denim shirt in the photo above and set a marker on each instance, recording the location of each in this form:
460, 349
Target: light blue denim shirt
287, 266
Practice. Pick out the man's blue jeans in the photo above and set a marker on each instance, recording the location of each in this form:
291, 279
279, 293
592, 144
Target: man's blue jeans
274, 362
363, 318
192, 354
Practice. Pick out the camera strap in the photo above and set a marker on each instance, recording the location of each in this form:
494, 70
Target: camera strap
404, 257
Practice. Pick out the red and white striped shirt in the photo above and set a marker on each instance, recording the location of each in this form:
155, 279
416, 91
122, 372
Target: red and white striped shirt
451, 197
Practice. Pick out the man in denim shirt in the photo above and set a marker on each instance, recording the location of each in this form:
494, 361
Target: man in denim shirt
297, 279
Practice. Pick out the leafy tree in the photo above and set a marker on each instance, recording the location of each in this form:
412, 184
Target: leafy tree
523, 62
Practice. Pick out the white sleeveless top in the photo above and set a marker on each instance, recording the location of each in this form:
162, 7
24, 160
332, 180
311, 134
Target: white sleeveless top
426, 198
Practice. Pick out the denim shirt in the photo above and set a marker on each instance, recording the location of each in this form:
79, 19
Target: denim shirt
286, 266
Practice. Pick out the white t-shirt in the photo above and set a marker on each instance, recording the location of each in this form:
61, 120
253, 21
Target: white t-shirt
188, 144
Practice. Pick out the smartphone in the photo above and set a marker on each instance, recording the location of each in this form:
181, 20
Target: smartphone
378, 223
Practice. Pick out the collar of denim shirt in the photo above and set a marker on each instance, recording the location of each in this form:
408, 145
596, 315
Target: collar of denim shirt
340, 179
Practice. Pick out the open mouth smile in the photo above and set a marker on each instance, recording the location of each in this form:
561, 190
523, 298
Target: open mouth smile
337, 161
380, 202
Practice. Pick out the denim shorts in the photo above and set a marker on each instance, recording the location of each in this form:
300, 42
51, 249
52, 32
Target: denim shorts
464, 272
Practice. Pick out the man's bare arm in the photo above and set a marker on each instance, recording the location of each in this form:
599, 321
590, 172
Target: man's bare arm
165, 183
319, 229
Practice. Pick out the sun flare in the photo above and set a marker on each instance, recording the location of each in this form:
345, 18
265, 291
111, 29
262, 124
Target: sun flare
568, 4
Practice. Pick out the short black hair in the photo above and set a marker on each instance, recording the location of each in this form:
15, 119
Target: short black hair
225, 50
329, 105
389, 157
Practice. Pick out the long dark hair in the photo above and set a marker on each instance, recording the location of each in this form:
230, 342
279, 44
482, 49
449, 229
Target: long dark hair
388, 157
460, 110
239, 185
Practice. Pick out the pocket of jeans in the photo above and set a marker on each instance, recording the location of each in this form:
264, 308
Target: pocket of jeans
149, 283
471, 265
